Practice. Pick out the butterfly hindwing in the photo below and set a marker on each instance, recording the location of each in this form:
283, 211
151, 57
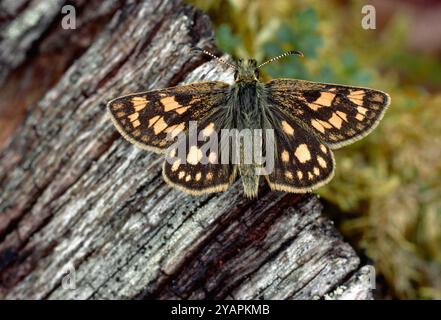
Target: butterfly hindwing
302, 163
337, 115
199, 169
145, 119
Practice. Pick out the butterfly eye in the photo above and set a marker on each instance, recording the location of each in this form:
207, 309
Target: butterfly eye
235, 74
256, 73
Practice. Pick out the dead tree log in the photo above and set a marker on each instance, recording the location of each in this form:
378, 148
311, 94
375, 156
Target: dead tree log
77, 198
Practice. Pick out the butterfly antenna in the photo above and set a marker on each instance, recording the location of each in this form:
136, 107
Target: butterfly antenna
289, 53
214, 56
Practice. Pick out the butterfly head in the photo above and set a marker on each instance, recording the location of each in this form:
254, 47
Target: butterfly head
246, 71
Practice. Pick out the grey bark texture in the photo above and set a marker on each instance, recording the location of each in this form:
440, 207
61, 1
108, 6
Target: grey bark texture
86, 215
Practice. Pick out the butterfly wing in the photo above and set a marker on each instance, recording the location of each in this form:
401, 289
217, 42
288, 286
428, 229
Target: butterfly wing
194, 164
301, 162
337, 115
161, 121
145, 119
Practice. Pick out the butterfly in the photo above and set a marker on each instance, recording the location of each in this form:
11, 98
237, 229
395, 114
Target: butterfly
307, 119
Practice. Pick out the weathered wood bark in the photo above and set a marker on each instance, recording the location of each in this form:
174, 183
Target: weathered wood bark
77, 197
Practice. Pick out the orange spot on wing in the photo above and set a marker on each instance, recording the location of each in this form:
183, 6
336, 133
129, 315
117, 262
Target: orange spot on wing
287, 128
285, 156
342, 115
169, 104
176, 165
302, 153
176, 129
139, 103
321, 162
318, 126
194, 155
181, 110
336, 121
134, 116
325, 99
136, 123
153, 120
209, 129
159, 126
356, 96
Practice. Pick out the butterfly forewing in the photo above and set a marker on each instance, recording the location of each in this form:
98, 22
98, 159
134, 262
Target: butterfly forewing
337, 115
146, 119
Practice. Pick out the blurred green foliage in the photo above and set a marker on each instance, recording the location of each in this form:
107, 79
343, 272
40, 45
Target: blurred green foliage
388, 184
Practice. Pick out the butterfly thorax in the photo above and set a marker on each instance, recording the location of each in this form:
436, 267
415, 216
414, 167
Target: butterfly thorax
246, 93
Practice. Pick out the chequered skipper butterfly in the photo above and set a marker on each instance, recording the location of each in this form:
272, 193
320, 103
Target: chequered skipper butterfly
309, 120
